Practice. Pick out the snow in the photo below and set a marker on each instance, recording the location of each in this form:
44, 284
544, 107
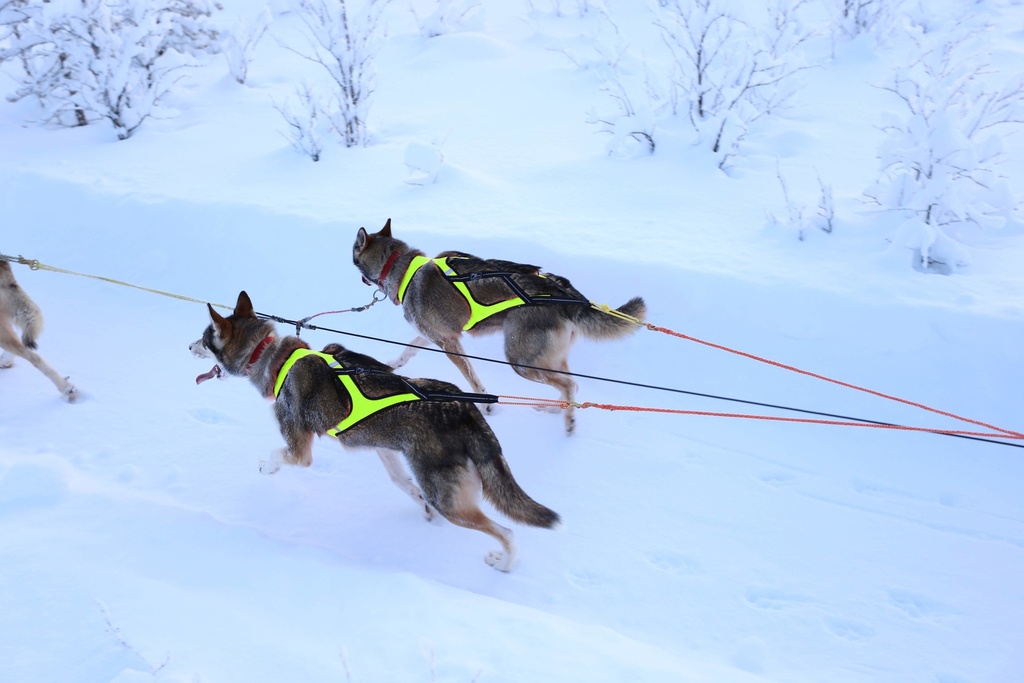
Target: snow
139, 542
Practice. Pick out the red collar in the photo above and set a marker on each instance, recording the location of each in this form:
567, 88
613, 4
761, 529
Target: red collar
388, 265
257, 352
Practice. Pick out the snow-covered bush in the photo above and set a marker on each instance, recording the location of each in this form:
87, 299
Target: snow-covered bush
629, 113
800, 218
942, 152
240, 41
854, 17
631, 120
448, 16
561, 8
723, 66
302, 114
85, 60
12, 14
727, 71
343, 38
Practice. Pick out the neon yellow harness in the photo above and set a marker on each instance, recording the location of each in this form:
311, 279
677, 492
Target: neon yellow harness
477, 311
362, 405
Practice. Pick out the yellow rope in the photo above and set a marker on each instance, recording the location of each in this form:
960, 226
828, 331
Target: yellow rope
605, 308
34, 264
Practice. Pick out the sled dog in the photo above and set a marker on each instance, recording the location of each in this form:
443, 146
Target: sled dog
541, 314
16, 308
453, 454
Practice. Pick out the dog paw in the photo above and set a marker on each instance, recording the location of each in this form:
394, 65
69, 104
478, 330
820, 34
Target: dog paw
498, 560
70, 393
428, 512
6, 361
269, 467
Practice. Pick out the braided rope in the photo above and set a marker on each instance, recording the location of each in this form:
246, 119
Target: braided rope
655, 328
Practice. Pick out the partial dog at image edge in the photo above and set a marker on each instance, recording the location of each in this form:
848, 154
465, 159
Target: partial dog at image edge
541, 314
16, 308
452, 452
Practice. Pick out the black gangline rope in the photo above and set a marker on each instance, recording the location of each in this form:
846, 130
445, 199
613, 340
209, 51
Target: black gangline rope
302, 324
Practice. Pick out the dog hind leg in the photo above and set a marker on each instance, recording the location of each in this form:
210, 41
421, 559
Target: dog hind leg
546, 350
402, 479
13, 346
460, 505
457, 354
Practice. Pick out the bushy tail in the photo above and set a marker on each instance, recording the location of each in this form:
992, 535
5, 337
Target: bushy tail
24, 311
28, 317
596, 323
503, 492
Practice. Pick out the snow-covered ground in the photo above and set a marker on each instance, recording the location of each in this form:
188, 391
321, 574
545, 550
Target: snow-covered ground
138, 540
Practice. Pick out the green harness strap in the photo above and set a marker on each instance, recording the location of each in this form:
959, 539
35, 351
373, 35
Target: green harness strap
478, 312
362, 405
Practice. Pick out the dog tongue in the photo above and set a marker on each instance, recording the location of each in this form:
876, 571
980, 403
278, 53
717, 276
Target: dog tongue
215, 371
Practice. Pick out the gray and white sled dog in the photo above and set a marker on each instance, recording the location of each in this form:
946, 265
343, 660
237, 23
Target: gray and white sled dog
541, 314
16, 308
453, 454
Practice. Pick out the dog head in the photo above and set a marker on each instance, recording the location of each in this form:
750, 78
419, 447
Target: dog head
232, 340
371, 253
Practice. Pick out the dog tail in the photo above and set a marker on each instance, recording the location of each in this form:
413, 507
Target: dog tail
596, 323
503, 492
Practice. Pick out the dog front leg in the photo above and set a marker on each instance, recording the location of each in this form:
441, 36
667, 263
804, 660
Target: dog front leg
273, 464
410, 350
401, 478
298, 452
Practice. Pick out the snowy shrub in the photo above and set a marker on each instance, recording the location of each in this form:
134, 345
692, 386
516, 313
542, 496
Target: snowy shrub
630, 123
303, 116
449, 16
240, 43
85, 60
799, 217
12, 14
726, 71
942, 151
629, 112
560, 8
344, 42
722, 72
854, 17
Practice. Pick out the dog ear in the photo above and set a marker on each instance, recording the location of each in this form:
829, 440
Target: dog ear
386, 230
220, 322
362, 238
243, 308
